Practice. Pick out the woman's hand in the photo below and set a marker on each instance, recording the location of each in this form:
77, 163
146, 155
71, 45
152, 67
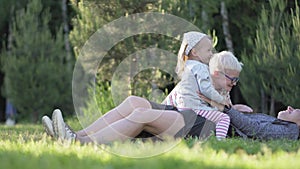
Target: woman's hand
242, 108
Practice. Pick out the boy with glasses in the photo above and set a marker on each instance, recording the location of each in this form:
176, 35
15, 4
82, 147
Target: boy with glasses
192, 68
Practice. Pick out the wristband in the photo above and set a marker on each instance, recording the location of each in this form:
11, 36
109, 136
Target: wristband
226, 108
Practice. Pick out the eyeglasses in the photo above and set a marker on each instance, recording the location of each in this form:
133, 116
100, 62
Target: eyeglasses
233, 79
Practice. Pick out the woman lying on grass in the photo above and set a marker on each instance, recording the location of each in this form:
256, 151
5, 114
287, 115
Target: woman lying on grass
172, 123
262, 126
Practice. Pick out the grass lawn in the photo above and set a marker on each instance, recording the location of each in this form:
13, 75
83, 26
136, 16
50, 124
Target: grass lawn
26, 146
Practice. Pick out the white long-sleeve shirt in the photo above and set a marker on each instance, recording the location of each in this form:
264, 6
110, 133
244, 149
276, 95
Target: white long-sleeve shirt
196, 77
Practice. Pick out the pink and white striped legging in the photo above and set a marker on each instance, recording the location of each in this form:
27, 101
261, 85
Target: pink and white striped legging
221, 120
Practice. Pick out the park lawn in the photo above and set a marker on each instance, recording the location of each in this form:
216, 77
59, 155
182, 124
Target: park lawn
26, 146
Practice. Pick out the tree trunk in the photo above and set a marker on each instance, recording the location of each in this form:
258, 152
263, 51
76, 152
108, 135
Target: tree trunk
225, 26
263, 101
272, 107
66, 32
228, 40
204, 18
10, 37
133, 69
35, 116
192, 13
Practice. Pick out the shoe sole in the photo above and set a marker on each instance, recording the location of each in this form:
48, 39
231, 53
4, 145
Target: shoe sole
58, 124
48, 126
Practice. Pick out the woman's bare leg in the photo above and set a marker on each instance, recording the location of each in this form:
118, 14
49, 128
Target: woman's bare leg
158, 122
119, 112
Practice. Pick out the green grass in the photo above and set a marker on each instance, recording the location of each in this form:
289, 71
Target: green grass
26, 146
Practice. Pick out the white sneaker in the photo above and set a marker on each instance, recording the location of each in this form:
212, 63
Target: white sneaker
48, 125
58, 124
62, 131
70, 134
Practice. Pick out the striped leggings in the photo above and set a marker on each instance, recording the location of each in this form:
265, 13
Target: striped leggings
221, 120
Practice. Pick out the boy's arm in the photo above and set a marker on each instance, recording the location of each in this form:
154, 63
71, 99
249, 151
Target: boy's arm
238, 107
207, 89
219, 106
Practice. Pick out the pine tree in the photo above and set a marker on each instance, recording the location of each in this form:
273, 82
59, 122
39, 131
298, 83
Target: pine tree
274, 63
36, 80
288, 77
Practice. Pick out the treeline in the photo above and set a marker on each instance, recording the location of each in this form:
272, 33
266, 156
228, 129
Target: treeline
42, 40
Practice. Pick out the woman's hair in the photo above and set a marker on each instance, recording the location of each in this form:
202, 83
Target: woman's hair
224, 60
189, 41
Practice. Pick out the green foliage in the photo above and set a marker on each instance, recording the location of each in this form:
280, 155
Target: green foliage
36, 78
272, 67
242, 18
99, 102
7, 8
287, 83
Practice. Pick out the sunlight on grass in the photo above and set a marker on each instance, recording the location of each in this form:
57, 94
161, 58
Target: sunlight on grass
27, 147
140, 149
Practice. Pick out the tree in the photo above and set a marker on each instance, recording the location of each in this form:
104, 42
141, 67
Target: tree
36, 79
287, 82
272, 67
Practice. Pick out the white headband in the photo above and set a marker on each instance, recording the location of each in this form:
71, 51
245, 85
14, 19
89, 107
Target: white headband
191, 39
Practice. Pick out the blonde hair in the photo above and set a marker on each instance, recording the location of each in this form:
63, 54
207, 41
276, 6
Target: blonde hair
189, 41
224, 60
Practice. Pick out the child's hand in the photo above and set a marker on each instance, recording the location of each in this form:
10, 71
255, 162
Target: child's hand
227, 103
